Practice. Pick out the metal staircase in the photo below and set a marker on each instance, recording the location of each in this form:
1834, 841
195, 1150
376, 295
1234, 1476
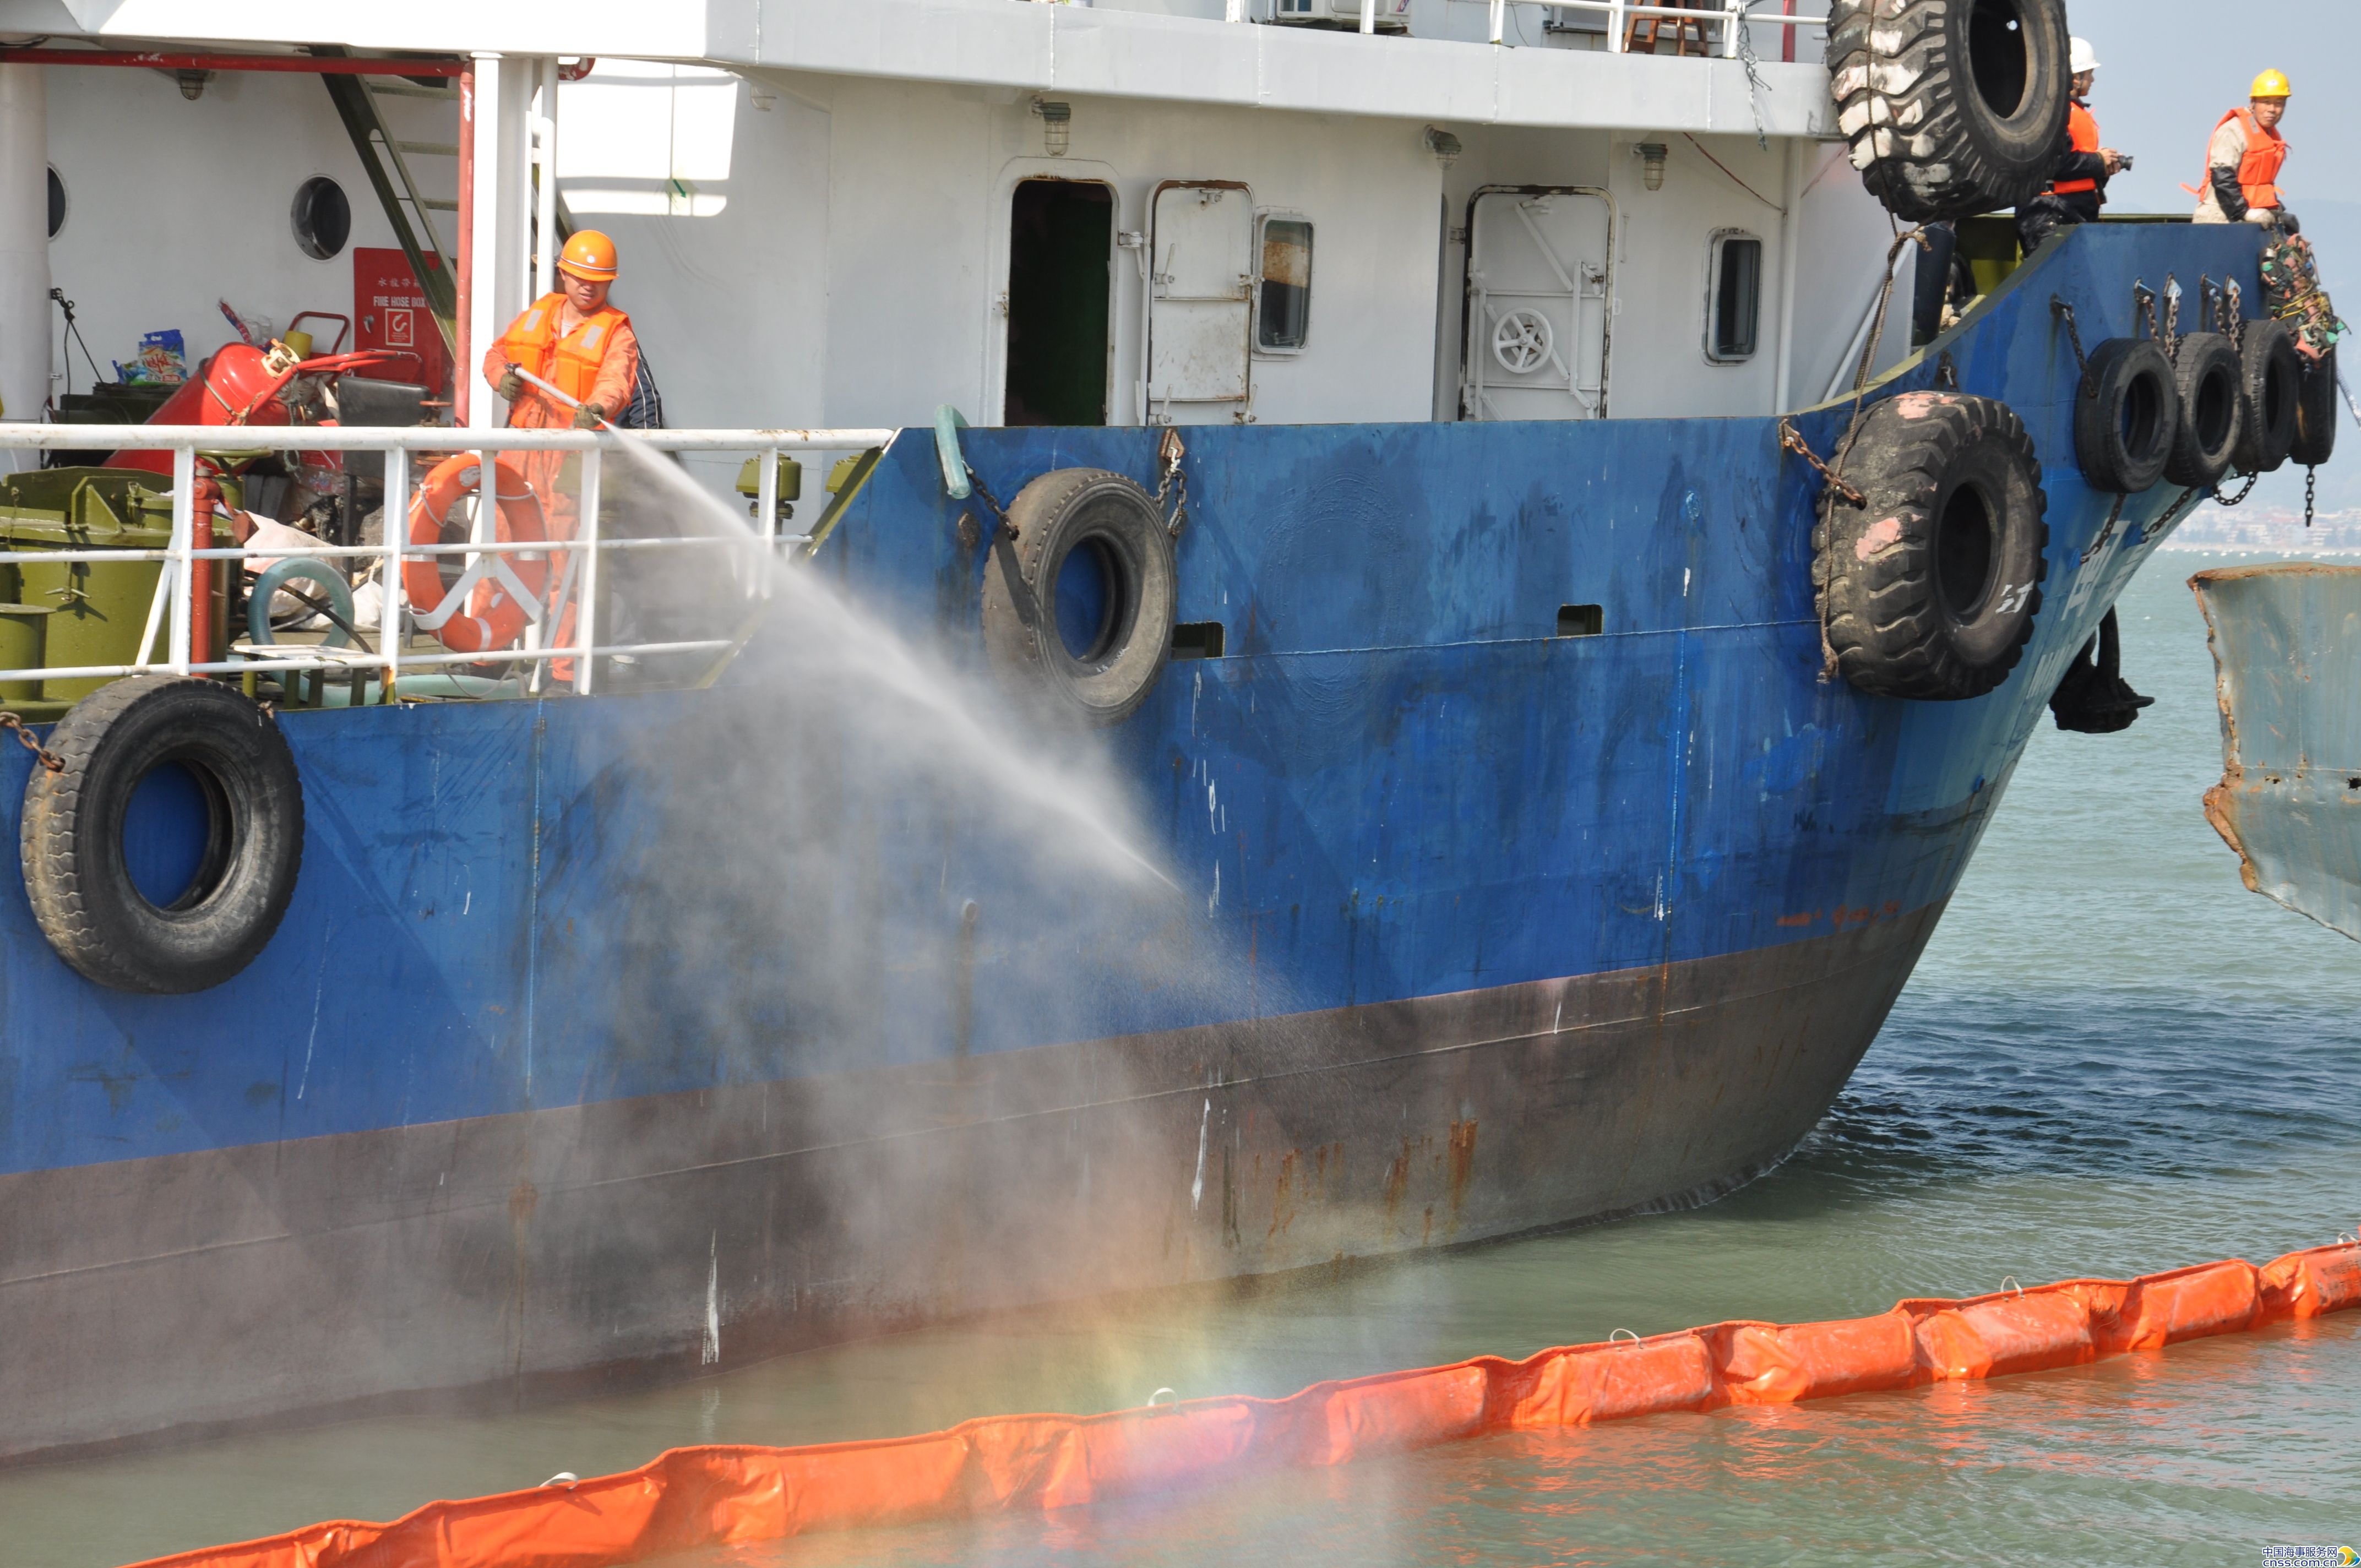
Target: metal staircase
407, 209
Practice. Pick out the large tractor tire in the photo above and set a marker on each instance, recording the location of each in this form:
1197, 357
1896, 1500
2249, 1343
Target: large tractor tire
1953, 107
1930, 589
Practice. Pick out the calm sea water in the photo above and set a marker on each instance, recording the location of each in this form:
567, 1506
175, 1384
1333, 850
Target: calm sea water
2114, 1058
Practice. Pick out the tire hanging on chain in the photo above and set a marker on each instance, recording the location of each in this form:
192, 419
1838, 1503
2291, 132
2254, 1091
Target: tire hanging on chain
1929, 583
2316, 413
2126, 414
2206, 374
1080, 595
2271, 389
82, 884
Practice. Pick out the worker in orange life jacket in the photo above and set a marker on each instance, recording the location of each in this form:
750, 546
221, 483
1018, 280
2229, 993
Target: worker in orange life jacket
579, 343
572, 339
2244, 159
2077, 178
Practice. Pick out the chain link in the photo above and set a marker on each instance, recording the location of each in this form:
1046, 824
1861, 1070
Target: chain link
2311, 493
2144, 301
2106, 534
1171, 482
48, 759
2065, 312
2172, 318
1792, 440
2243, 492
983, 493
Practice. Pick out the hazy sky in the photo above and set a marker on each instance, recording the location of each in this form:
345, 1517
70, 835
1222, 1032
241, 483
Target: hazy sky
2170, 67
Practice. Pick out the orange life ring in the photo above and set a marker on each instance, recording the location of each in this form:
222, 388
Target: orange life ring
493, 617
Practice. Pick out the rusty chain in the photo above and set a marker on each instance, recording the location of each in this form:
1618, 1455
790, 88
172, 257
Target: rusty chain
48, 759
1171, 482
2310, 492
1791, 439
2172, 318
2143, 308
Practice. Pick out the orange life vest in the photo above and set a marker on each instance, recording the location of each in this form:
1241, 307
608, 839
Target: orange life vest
2083, 130
2258, 172
570, 363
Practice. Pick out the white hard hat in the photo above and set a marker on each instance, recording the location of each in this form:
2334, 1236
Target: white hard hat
2085, 58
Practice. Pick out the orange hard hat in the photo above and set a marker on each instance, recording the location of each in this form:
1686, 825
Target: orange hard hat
588, 255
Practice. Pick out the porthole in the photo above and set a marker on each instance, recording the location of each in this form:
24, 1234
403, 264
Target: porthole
321, 218
57, 204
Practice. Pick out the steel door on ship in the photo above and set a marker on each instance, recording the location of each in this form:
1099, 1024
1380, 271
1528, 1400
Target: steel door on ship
1200, 302
1539, 291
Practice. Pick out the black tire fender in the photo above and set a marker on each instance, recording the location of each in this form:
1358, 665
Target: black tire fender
1952, 107
2126, 415
1116, 525
2206, 374
1930, 590
2270, 385
76, 876
2316, 413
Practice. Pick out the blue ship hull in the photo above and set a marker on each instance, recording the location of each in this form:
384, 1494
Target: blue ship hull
539, 1085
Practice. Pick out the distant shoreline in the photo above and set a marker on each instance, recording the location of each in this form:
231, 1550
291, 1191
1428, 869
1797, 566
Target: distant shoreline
2336, 533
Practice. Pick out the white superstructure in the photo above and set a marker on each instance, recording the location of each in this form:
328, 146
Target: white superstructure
848, 211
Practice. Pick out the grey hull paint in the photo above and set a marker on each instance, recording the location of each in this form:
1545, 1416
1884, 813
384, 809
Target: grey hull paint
2286, 659
529, 1255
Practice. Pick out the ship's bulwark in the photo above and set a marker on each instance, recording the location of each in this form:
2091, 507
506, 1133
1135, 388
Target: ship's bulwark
600, 1032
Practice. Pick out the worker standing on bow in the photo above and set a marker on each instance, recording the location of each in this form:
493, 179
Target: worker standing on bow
2244, 160
577, 341
2078, 180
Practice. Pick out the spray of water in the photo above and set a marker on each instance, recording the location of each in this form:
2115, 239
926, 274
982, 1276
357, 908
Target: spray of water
843, 643
969, 1039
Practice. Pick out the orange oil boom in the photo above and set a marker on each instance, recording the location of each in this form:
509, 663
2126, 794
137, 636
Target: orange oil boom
690, 1497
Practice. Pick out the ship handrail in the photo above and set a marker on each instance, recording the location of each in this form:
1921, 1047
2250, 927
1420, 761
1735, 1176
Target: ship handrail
171, 604
1733, 16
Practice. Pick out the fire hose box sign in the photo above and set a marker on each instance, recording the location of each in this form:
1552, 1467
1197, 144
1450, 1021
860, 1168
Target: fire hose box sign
389, 311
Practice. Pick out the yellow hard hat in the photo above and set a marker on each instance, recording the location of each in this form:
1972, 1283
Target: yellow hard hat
588, 255
2271, 84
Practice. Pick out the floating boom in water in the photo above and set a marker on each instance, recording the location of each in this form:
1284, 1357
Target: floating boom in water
691, 1497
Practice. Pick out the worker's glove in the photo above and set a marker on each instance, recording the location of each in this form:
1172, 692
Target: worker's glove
589, 416
511, 386
2266, 217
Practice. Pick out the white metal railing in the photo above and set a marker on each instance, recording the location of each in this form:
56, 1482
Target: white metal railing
1731, 16
171, 598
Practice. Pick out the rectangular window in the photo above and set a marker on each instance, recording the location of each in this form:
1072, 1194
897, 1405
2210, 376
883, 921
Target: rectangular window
1581, 619
1197, 639
1732, 334
1283, 296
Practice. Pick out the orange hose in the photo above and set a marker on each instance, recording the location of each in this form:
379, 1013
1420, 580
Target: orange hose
691, 1497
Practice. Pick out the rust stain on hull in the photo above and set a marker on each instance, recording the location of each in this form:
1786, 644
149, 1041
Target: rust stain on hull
2286, 640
